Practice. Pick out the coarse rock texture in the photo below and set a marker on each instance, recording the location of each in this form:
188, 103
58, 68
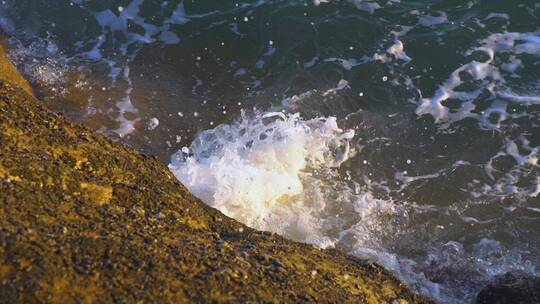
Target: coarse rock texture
87, 220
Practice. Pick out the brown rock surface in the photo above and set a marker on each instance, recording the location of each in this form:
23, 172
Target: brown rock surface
85, 220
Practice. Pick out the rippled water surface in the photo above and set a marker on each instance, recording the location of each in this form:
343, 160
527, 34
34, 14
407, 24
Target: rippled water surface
407, 132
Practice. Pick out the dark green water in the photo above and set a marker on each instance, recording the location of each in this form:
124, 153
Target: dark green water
416, 141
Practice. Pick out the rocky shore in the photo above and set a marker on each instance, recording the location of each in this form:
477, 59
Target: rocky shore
87, 220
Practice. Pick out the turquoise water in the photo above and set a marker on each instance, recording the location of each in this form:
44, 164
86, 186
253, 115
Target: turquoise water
407, 132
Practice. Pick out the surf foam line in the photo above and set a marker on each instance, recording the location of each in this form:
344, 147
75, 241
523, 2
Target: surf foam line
494, 76
491, 76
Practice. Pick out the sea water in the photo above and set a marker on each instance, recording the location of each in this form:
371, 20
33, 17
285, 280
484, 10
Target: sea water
406, 132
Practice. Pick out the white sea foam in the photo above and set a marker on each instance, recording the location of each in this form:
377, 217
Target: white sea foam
366, 6
262, 170
152, 123
491, 77
125, 106
341, 85
429, 20
350, 63
114, 25
278, 172
397, 51
498, 15
42, 62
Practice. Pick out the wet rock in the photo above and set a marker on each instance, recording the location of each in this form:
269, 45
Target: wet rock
511, 288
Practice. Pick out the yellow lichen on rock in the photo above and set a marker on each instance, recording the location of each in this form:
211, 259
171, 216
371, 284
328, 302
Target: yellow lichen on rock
96, 193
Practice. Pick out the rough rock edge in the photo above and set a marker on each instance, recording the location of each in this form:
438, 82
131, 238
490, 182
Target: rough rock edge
87, 220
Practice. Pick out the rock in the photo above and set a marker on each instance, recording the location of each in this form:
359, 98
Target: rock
10, 74
511, 288
84, 219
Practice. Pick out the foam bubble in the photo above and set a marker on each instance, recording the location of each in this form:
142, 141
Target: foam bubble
152, 123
